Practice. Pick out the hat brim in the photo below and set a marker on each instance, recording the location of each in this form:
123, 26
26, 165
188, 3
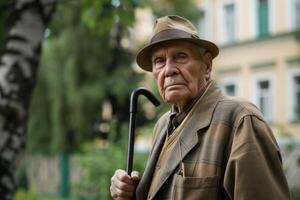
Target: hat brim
143, 58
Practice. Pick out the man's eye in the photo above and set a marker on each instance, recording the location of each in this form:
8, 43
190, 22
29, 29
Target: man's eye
158, 62
180, 57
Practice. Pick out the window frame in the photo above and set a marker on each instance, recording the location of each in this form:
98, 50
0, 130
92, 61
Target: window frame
269, 76
291, 101
263, 29
254, 20
291, 15
224, 39
204, 23
206, 7
230, 81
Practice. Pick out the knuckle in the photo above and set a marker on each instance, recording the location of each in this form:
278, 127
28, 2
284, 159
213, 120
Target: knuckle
124, 195
123, 186
112, 192
122, 178
119, 171
119, 193
111, 188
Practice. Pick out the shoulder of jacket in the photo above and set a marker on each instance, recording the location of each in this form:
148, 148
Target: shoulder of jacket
241, 103
231, 109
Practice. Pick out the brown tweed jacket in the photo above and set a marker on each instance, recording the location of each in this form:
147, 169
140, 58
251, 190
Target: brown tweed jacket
228, 151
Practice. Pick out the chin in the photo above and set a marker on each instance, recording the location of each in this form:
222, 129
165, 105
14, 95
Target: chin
174, 96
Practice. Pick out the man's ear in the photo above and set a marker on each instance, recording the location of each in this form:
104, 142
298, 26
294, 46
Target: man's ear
207, 59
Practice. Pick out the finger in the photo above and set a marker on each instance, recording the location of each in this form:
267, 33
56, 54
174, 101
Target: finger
122, 176
117, 182
123, 186
135, 175
117, 193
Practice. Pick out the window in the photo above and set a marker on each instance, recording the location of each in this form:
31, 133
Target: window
229, 22
297, 14
263, 94
263, 17
293, 15
229, 86
264, 97
296, 82
294, 95
202, 23
230, 89
205, 20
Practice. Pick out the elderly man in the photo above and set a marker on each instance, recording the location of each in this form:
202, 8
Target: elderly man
208, 146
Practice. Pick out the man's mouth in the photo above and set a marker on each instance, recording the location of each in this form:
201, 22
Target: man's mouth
173, 85
173, 82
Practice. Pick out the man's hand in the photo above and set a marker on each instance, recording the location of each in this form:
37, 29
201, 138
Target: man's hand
122, 185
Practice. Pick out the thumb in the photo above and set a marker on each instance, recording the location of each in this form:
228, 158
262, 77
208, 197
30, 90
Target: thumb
135, 176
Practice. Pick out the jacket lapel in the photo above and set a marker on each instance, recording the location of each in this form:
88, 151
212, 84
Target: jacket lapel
144, 184
200, 119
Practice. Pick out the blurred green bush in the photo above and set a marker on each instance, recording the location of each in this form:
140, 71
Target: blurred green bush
97, 165
295, 194
26, 195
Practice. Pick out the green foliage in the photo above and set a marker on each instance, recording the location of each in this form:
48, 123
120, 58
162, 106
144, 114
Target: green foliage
26, 195
82, 66
22, 194
98, 165
185, 8
295, 193
100, 16
98, 161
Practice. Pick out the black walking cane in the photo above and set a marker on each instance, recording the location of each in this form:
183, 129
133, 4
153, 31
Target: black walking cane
133, 109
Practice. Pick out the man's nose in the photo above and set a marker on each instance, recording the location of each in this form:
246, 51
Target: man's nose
170, 68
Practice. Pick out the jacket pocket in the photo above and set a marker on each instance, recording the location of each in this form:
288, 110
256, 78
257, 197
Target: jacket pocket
193, 188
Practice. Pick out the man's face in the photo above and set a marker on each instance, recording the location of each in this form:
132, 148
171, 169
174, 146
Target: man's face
180, 71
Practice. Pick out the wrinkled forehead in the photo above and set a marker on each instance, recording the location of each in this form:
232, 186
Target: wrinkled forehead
175, 45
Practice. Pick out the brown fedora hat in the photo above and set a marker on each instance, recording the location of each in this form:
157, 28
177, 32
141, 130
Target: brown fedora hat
168, 28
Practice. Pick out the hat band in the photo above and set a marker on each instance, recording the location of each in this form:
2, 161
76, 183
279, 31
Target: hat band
172, 34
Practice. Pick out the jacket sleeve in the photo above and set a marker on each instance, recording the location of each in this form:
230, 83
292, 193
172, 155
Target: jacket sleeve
254, 167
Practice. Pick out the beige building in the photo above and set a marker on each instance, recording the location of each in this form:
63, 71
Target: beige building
259, 54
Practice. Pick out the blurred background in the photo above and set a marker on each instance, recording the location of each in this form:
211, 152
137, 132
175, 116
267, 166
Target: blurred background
79, 111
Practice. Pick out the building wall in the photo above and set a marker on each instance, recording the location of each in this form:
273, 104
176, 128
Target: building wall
247, 59
281, 14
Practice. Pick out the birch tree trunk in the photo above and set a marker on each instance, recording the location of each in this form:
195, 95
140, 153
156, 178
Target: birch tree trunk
18, 68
